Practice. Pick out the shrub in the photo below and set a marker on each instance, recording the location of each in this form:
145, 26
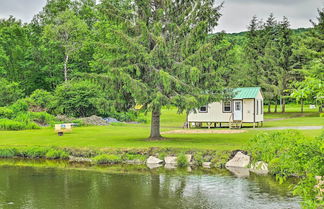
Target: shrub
322, 115
42, 98
9, 92
80, 99
42, 118
20, 105
7, 152
11, 125
182, 160
128, 156
35, 152
199, 159
6, 112
56, 154
107, 159
290, 153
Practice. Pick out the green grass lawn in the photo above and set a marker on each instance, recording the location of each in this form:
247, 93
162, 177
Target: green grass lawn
135, 135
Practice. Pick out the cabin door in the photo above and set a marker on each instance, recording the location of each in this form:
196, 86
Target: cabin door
238, 110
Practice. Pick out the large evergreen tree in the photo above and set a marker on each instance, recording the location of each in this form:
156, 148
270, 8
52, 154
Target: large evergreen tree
163, 53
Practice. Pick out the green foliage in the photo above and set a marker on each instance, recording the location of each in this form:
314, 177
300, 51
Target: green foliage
182, 160
9, 92
34, 152
6, 112
290, 153
107, 159
41, 98
7, 152
20, 106
80, 99
199, 159
42, 118
56, 154
129, 156
13, 125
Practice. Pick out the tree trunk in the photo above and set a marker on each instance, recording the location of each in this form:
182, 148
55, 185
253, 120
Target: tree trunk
155, 124
283, 108
302, 106
320, 108
269, 106
65, 68
276, 106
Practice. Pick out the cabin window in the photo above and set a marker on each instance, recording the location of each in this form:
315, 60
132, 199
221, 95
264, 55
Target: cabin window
261, 103
203, 109
257, 107
227, 107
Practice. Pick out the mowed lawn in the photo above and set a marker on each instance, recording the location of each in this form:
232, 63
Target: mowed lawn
135, 135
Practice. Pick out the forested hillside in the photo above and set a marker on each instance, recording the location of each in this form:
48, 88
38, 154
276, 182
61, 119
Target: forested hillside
79, 58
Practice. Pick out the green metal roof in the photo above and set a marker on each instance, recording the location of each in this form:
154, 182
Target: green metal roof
246, 92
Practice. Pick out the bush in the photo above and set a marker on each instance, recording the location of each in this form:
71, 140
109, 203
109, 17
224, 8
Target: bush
182, 160
20, 106
56, 154
7, 152
41, 98
12, 125
6, 112
199, 159
107, 159
42, 118
290, 153
128, 156
80, 99
35, 152
9, 92
322, 115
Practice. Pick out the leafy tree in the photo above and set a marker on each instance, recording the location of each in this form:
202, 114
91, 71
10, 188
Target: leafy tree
163, 53
9, 92
69, 32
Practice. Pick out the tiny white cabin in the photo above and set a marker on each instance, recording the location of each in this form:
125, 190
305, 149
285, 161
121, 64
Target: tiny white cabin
245, 107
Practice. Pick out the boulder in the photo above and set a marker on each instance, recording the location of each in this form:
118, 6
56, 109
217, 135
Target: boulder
153, 160
189, 158
134, 162
240, 160
170, 160
259, 167
79, 159
206, 164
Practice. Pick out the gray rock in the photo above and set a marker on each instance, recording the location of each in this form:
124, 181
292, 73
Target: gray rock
79, 159
240, 160
189, 158
153, 160
239, 172
135, 161
170, 160
259, 167
111, 120
206, 164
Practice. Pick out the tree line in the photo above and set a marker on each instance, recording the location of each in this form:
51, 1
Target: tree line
107, 58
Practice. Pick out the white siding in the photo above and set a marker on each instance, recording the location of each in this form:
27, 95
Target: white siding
248, 110
259, 116
215, 112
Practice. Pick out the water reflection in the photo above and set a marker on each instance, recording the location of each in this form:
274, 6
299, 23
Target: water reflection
49, 188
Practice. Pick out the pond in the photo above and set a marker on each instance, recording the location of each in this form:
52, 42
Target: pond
37, 187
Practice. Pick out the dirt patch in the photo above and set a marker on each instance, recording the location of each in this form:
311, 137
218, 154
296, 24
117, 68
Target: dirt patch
203, 131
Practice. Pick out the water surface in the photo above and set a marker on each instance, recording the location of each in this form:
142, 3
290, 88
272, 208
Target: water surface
52, 188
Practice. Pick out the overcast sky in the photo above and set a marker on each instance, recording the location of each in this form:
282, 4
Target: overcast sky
236, 13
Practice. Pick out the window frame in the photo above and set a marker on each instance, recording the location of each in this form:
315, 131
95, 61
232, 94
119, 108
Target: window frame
230, 106
199, 109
